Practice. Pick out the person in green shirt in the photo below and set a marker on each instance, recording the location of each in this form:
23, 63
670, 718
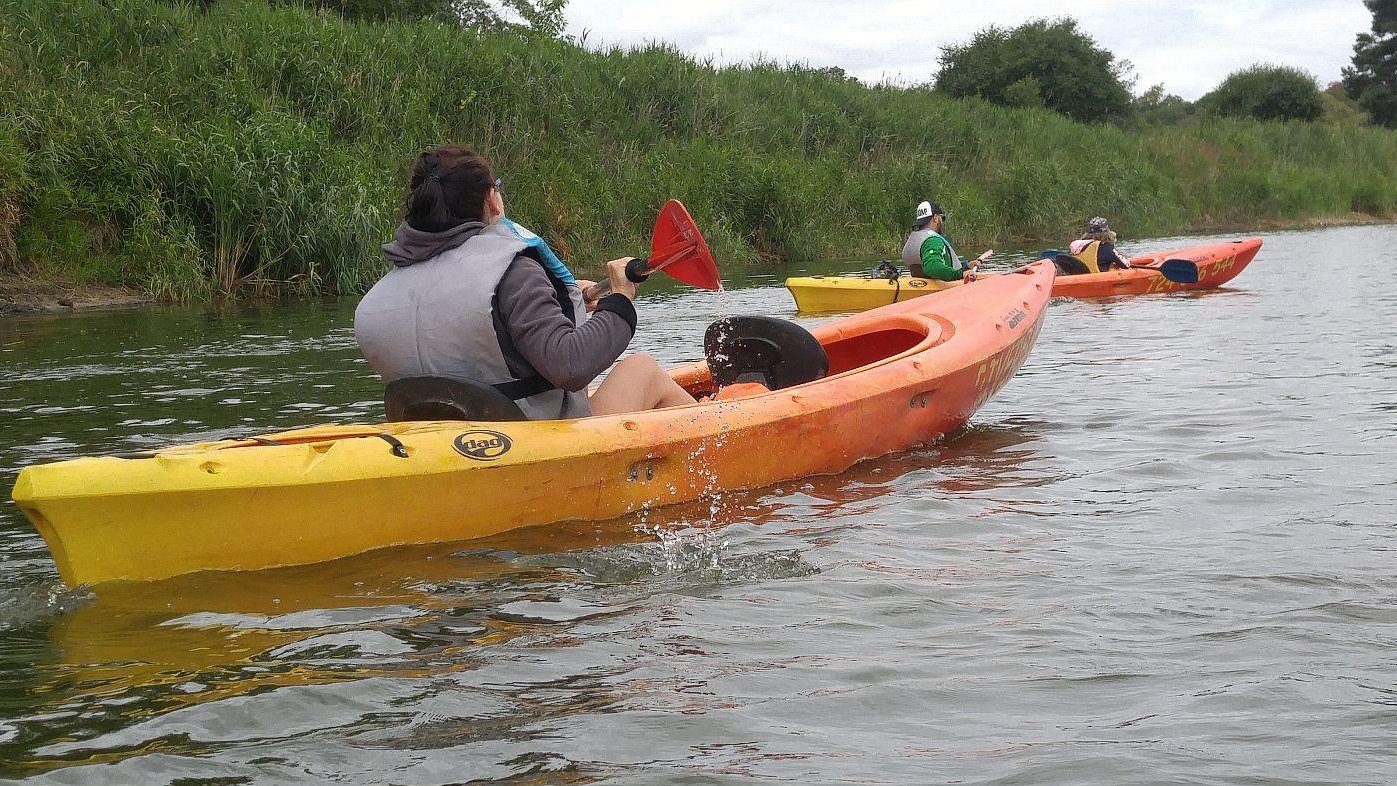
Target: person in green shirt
927, 253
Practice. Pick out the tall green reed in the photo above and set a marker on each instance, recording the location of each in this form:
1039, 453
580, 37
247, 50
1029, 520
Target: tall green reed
193, 150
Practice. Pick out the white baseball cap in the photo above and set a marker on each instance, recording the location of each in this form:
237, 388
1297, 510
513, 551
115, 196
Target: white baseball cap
928, 209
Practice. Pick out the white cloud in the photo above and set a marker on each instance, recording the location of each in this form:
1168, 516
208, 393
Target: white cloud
1188, 46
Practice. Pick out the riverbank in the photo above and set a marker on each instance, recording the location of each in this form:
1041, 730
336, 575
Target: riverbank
24, 295
188, 151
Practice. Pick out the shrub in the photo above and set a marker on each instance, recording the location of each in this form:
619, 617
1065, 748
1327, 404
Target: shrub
1266, 92
1158, 108
1040, 63
1339, 109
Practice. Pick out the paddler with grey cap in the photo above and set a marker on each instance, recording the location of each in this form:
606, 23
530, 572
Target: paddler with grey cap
928, 254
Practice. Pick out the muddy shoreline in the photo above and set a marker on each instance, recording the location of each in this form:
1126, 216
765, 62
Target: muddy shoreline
22, 294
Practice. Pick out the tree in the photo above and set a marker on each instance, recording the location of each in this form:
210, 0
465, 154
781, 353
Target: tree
1158, 108
1372, 81
1266, 92
543, 17
1026, 93
1043, 62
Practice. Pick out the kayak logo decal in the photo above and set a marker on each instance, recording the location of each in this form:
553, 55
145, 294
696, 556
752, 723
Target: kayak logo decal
916, 283
482, 445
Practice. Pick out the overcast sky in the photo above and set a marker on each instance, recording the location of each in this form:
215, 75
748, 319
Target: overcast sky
1189, 46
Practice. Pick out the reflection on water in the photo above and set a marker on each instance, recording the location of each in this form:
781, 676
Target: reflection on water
1162, 554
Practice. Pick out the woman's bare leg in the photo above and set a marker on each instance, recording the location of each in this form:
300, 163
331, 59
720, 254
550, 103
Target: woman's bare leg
637, 384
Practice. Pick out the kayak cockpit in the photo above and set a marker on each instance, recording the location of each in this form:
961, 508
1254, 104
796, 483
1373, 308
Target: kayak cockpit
848, 346
861, 343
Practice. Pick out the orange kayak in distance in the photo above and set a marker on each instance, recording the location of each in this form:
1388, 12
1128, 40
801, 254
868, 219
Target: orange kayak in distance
1218, 263
899, 376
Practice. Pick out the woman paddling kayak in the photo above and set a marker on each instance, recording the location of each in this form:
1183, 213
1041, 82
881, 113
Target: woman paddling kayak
471, 294
1093, 252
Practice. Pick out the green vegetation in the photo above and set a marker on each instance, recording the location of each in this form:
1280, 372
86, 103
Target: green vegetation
1339, 109
1043, 63
541, 17
14, 185
189, 150
1157, 108
1266, 92
1372, 81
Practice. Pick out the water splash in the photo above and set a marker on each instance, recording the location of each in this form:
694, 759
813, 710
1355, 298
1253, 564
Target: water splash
689, 549
28, 605
695, 545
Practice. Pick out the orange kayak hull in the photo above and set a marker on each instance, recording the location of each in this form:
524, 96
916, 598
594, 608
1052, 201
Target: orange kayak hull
900, 376
1218, 263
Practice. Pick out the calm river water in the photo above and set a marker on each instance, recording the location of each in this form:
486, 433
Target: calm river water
1163, 554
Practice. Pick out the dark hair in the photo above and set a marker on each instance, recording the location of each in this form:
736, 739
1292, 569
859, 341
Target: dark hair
449, 186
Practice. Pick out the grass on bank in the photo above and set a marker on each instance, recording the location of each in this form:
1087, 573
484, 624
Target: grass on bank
190, 151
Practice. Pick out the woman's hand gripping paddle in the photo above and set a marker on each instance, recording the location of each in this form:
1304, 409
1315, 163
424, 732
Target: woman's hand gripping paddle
676, 248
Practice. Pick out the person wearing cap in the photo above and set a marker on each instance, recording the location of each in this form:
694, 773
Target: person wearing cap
927, 253
1095, 249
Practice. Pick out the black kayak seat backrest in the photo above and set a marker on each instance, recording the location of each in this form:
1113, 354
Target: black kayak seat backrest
447, 398
1068, 265
774, 352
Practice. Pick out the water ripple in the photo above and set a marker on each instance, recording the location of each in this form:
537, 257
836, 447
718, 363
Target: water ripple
1162, 555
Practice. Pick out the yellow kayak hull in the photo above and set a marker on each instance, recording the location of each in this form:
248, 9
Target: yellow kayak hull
899, 376
816, 294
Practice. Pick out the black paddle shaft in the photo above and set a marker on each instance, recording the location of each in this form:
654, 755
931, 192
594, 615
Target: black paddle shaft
637, 270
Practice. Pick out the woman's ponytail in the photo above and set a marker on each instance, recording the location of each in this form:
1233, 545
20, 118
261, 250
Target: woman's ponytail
448, 188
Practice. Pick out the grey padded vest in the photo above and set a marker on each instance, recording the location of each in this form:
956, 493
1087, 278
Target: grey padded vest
912, 249
435, 318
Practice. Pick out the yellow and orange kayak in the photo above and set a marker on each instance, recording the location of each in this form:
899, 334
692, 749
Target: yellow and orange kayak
899, 376
1217, 263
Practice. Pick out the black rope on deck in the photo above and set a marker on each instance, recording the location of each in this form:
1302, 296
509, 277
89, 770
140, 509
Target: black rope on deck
398, 449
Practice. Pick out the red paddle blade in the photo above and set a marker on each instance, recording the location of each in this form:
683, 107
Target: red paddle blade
678, 249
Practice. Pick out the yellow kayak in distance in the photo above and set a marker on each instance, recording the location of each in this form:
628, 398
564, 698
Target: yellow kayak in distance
1217, 263
815, 294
